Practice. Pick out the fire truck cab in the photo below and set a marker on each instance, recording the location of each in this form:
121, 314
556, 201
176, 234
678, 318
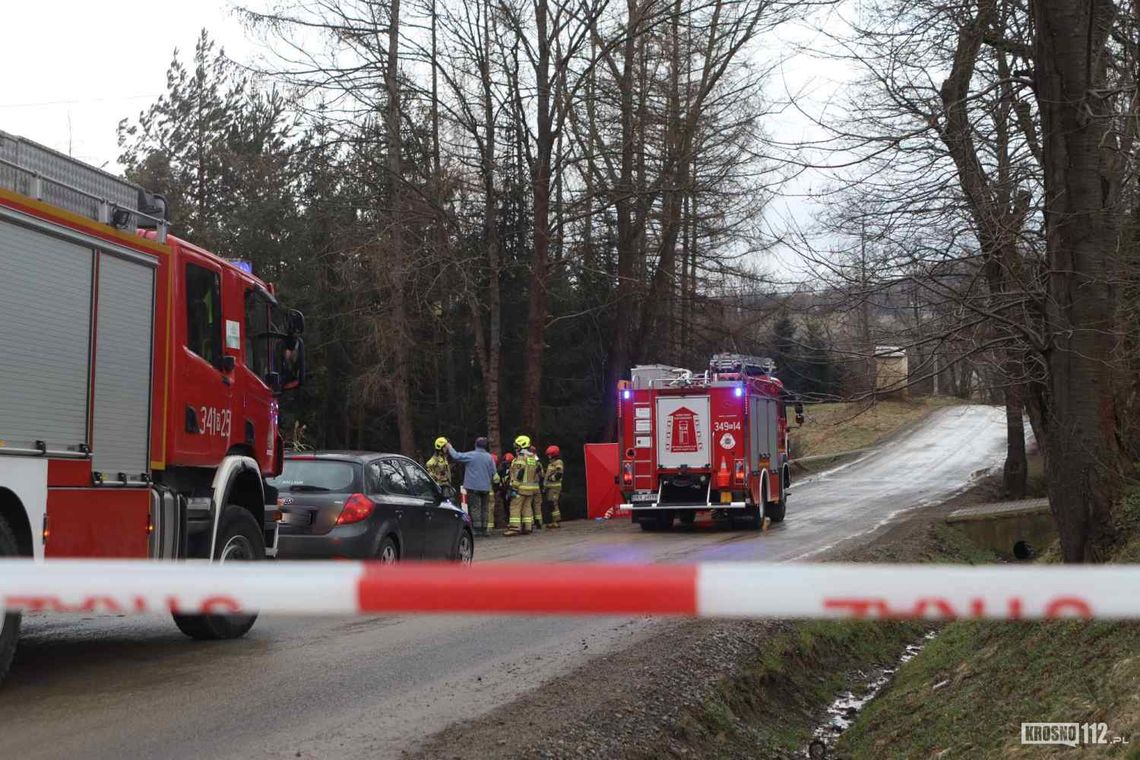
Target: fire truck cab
139, 381
716, 441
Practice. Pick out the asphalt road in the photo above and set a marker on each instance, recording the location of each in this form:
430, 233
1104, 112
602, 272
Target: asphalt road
106, 687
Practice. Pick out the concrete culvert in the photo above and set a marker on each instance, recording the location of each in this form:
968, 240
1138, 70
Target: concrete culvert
1023, 550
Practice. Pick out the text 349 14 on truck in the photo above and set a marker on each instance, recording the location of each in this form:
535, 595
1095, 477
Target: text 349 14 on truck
365, 505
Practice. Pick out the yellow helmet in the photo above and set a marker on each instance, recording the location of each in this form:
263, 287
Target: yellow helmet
522, 442
440, 443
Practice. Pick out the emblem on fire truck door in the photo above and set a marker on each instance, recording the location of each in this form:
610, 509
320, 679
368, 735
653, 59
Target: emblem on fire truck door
727, 441
684, 433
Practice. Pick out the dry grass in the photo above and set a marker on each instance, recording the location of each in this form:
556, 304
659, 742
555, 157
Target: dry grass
991, 677
835, 428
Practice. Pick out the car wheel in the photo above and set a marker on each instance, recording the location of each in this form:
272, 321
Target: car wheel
465, 548
388, 553
9, 623
240, 539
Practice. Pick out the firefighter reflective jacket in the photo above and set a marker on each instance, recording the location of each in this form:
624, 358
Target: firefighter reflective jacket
439, 469
525, 470
553, 477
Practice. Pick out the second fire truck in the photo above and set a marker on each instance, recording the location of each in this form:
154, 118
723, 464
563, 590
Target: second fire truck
715, 440
139, 382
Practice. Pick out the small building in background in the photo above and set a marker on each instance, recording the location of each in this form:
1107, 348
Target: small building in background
890, 372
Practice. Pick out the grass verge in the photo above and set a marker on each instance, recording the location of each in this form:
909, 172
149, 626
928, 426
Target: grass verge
835, 428
770, 703
763, 709
970, 689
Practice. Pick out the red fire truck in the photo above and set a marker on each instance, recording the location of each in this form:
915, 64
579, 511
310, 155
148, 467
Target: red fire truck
716, 441
139, 382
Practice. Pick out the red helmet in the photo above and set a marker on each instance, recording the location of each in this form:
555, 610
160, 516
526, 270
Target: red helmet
509, 457
494, 457
552, 451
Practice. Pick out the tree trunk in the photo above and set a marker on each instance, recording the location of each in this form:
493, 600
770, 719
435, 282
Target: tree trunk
1016, 467
492, 368
540, 186
617, 362
402, 339
1084, 462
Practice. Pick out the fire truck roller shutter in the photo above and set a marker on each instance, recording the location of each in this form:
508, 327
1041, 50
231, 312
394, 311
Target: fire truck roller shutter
45, 330
123, 367
759, 420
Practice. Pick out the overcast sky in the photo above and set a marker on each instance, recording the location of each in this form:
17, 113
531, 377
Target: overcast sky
73, 69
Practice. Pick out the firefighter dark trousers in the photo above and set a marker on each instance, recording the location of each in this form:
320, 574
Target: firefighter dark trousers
553, 496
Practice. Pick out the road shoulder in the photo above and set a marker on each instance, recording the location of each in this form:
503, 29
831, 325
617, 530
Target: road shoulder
678, 693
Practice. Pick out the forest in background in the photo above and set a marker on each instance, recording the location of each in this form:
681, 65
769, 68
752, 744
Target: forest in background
489, 211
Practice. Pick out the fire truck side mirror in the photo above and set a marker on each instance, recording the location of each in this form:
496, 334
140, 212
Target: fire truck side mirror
290, 373
295, 322
799, 413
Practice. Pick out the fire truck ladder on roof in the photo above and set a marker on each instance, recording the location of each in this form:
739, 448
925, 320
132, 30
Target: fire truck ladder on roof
47, 175
751, 366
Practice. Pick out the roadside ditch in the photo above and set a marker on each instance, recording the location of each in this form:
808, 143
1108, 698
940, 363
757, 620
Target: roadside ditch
716, 689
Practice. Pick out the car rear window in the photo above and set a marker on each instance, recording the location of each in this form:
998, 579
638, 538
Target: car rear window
317, 475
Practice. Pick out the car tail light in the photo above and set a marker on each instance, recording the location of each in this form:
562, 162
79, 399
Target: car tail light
356, 508
627, 473
722, 477
739, 472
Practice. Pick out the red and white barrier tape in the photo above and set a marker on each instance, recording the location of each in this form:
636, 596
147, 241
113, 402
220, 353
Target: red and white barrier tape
729, 590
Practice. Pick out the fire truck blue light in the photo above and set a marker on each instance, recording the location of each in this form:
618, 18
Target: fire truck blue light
739, 392
626, 394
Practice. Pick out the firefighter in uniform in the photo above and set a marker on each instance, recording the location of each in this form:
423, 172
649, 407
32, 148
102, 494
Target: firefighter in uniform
438, 466
538, 500
552, 485
525, 495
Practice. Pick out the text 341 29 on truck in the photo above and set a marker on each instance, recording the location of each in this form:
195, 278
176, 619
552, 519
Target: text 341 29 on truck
139, 382
717, 440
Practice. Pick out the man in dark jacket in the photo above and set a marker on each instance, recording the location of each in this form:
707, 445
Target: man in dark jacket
478, 476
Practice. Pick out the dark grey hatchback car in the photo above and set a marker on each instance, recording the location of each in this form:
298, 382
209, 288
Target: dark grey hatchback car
364, 505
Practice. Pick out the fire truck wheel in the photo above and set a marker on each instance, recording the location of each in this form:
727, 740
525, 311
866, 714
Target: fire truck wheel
240, 539
10, 623
753, 518
776, 510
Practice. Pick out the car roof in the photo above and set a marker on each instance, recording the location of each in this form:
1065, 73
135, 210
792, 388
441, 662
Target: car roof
336, 455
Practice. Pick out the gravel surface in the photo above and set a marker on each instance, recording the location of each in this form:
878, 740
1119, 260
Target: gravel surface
631, 703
